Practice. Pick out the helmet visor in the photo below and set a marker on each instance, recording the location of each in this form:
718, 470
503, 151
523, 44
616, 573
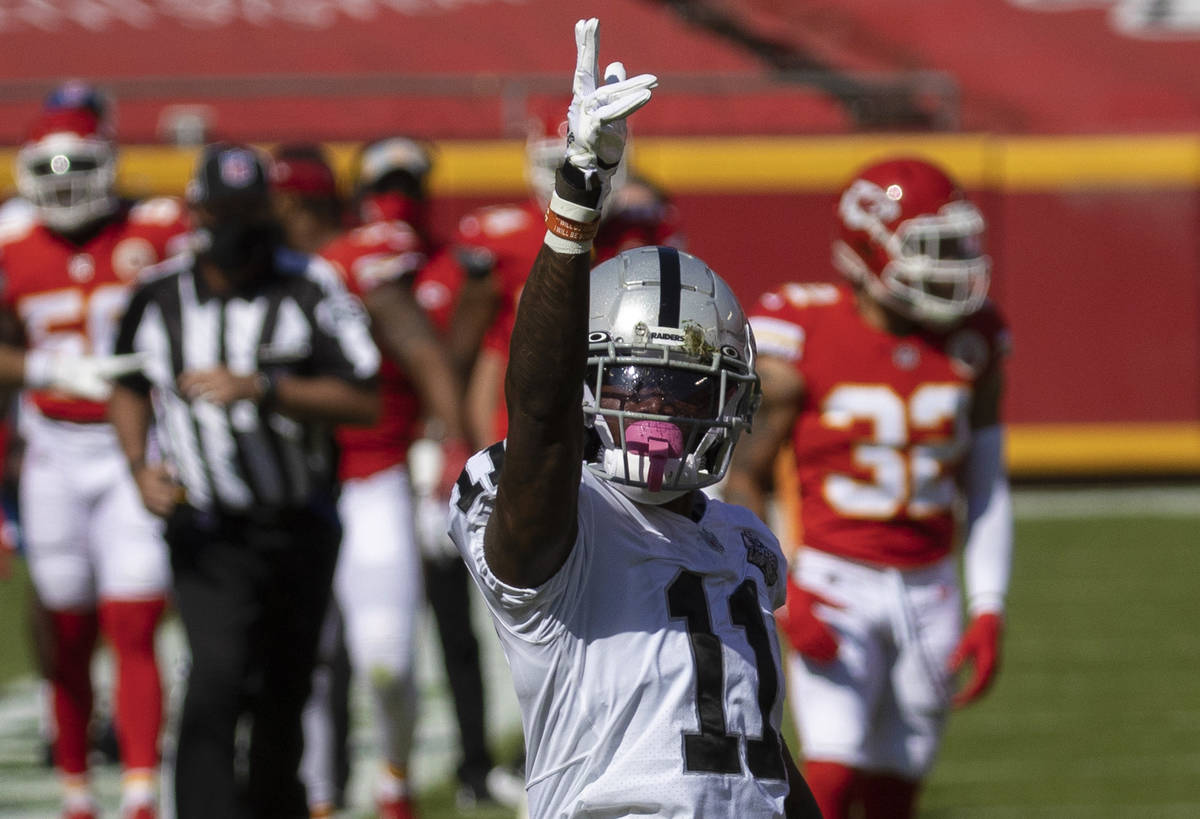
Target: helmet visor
661, 391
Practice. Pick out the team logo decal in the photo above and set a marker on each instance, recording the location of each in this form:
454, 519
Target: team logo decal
865, 203
906, 356
130, 256
81, 268
762, 557
968, 352
238, 168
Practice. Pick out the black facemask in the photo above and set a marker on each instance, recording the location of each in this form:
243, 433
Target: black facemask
242, 247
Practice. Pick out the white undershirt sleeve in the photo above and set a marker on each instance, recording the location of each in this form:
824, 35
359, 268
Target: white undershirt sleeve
987, 555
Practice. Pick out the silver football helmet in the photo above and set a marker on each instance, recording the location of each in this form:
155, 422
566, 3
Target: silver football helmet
671, 380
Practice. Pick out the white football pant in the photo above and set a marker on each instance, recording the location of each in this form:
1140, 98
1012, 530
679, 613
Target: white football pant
87, 533
380, 592
882, 704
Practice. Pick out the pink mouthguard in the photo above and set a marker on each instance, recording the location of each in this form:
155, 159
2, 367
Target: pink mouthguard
659, 440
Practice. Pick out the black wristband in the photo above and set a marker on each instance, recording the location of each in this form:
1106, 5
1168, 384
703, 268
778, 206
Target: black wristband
571, 184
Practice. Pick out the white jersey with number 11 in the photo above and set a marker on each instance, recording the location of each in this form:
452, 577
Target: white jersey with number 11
647, 669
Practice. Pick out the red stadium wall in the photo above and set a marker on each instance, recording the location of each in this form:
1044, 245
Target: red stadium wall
1102, 289
1094, 240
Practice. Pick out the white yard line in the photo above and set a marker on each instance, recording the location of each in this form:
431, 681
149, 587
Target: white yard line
1148, 501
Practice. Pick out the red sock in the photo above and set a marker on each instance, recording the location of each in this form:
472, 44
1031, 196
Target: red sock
886, 796
833, 786
71, 677
129, 626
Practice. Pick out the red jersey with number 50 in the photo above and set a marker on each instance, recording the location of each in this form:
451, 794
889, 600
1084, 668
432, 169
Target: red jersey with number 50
70, 297
883, 424
366, 257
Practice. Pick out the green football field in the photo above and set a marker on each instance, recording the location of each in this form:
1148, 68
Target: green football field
1096, 712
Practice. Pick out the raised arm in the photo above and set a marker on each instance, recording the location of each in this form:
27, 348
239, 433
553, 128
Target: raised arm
406, 335
532, 529
987, 551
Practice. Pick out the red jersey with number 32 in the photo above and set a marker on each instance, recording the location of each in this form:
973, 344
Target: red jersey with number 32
884, 421
70, 297
368, 257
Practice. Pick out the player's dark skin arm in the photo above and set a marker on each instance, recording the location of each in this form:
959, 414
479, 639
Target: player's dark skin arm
305, 398
405, 335
752, 474
12, 350
532, 529
473, 313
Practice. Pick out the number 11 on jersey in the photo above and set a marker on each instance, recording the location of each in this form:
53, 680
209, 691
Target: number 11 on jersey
712, 750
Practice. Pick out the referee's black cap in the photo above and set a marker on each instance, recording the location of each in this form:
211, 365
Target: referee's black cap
229, 174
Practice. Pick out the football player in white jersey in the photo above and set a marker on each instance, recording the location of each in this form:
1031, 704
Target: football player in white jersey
636, 614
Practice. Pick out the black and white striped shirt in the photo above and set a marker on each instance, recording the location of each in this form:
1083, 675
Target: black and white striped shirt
245, 458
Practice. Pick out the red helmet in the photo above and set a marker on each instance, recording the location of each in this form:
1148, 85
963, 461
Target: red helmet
391, 181
908, 235
67, 168
303, 168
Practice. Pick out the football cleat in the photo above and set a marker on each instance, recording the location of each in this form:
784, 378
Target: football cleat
399, 808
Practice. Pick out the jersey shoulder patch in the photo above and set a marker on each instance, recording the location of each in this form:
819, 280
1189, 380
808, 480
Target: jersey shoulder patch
15, 229
495, 222
803, 295
391, 235
782, 317
160, 211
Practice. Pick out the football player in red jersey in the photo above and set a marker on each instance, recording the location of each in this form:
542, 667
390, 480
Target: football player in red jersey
95, 554
888, 391
378, 579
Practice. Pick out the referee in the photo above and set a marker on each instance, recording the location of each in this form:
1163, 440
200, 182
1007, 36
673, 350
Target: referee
251, 353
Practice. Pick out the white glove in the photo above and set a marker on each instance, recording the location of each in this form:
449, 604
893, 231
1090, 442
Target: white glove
83, 376
596, 119
432, 515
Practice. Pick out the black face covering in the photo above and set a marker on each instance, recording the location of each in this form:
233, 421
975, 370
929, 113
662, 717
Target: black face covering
237, 247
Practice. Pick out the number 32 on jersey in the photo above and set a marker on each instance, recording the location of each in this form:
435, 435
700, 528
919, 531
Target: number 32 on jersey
904, 476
